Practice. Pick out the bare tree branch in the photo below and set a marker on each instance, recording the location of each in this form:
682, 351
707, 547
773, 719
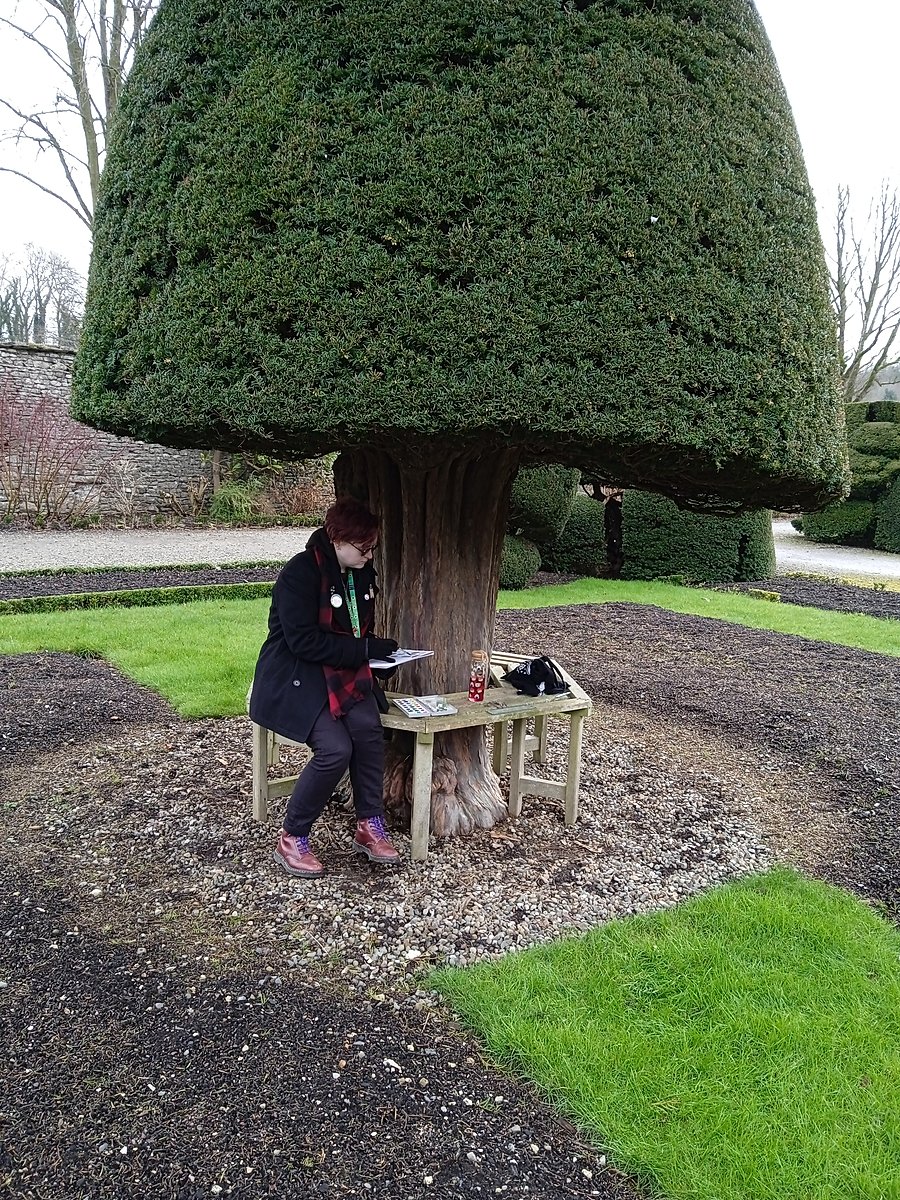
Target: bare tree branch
91, 44
865, 290
49, 191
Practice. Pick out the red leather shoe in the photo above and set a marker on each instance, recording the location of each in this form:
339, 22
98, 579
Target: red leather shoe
296, 857
372, 841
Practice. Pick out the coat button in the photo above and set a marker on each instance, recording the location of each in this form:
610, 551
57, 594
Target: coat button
296, 683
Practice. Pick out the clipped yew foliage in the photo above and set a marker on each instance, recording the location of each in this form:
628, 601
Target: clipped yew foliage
848, 523
580, 548
541, 500
659, 540
887, 528
520, 563
873, 434
419, 225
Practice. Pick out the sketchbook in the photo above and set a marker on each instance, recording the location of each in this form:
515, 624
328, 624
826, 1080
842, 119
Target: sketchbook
398, 659
424, 706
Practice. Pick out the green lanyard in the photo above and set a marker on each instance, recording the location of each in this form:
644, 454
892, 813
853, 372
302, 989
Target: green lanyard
351, 605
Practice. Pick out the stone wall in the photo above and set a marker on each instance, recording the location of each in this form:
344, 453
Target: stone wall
48, 461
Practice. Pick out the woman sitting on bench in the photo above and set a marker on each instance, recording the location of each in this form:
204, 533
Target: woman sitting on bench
313, 682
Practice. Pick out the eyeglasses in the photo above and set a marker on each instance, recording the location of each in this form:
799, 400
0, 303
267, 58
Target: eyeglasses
365, 551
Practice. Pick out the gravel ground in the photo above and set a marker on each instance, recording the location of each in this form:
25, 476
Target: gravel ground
139, 896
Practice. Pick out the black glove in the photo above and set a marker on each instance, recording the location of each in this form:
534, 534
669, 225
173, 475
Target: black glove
377, 647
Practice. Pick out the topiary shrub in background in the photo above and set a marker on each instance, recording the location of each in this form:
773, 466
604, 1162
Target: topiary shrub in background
521, 560
581, 547
850, 523
541, 501
659, 539
887, 524
873, 437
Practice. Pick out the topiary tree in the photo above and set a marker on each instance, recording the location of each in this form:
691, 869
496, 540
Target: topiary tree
442, 235
541, 500
873, 436
847, 523
580, 548
660, 539
521, 559
887, 527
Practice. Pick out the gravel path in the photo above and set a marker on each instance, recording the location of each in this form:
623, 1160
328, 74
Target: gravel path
25, 550
199, 1020
794, 552
28, 550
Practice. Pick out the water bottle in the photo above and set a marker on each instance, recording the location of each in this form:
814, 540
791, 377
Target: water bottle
478, 675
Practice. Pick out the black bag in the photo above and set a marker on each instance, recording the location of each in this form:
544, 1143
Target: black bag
538, 677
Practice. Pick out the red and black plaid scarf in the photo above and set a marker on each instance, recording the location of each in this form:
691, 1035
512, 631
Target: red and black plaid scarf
346, 686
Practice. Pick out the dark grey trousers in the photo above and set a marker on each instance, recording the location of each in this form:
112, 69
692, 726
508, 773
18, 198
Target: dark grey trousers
356, 741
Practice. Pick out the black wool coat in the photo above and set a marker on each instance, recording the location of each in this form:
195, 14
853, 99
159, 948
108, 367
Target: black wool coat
289, 688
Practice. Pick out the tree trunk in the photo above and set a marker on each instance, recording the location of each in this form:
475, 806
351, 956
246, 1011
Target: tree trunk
438, 563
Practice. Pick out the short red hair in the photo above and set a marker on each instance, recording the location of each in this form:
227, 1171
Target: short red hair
350, 521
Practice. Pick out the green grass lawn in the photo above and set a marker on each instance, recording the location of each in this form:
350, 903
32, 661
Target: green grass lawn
201, 655
742, 1046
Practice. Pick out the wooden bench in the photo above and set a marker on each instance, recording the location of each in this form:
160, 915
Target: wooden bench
502, 708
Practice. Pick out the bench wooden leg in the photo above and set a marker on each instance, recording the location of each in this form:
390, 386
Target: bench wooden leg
498, 756
573, 776
517, 766
539, 754
261, 741
423, 756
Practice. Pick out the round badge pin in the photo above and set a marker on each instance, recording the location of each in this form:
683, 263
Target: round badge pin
336, 602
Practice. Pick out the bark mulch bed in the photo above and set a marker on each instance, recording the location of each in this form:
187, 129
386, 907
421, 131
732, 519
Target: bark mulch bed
836, 597
137, 1063
67, 583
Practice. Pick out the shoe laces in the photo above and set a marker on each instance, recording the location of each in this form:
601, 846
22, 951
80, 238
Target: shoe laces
302, 844
377, 824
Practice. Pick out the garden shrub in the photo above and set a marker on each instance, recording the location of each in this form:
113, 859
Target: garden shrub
235, 500
883, 410
581, 547
887, 523
521, 560
849, 523
659, 539
438, 225
541, 501
873, 438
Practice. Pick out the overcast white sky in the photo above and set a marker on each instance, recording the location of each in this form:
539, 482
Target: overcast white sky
837, 59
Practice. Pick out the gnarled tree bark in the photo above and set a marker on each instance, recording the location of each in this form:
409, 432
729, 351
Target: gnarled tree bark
442, 529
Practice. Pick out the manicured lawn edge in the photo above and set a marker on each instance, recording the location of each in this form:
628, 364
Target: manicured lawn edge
744, 1045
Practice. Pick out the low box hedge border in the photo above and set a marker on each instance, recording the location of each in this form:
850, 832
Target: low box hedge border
106, 569
137, 597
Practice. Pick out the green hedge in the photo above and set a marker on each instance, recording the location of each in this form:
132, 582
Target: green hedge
581, 547
873, 436
143, 567
521, 560
137, 597
660, 540
850, 523
431, 226
887, 524
541, 500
